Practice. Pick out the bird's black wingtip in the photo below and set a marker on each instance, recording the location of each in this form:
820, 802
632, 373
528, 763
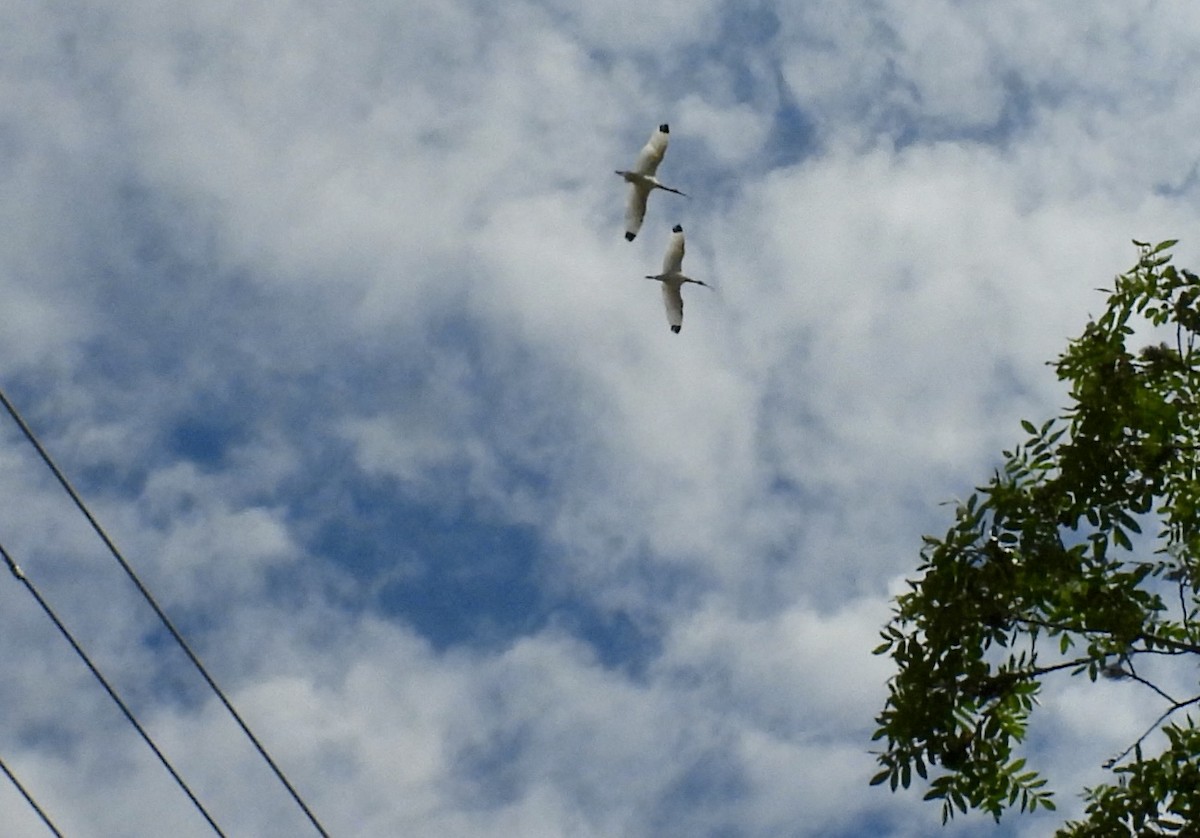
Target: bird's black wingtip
630, 236
676, 329
666, 129
678, 228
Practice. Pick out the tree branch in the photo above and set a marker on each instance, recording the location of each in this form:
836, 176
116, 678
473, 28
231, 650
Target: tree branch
1183, 609
1134, 676
1178, 705
1174, 645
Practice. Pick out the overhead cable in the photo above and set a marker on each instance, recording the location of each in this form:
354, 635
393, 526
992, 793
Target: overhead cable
29, 799
65, 632
144, 591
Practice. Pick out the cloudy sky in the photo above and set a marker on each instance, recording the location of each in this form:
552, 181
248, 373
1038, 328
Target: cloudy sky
327, 311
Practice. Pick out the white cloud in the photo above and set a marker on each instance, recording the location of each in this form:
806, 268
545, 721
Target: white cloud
627, 27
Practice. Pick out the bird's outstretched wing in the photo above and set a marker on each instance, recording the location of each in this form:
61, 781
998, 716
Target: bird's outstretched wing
673, 300
652, 153
635, 210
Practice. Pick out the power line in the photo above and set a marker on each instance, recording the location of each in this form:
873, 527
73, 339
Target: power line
24, 580
29, 799
129, 571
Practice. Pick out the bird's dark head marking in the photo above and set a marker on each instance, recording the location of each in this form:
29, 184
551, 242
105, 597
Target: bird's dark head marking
678, 228
676, 329
630, 236
664, 128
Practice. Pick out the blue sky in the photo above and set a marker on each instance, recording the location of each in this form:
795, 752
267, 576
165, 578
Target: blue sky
329, 314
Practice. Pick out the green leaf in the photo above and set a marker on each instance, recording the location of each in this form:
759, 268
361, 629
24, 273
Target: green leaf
1045, 548
1121, 538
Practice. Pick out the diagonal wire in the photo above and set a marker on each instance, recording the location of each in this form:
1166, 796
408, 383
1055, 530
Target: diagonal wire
183, 644
29, 799
24, 580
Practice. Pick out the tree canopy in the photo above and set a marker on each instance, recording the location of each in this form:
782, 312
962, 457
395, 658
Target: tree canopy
1079, 558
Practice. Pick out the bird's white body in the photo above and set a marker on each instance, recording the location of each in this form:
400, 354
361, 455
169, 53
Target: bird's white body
672, 279
642, 180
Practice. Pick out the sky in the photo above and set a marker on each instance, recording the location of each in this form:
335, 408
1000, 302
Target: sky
327, 311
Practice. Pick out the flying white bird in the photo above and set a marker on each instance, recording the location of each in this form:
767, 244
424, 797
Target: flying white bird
642, 180
672, 279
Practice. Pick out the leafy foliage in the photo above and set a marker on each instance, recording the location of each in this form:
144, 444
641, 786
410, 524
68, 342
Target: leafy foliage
1046, 572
